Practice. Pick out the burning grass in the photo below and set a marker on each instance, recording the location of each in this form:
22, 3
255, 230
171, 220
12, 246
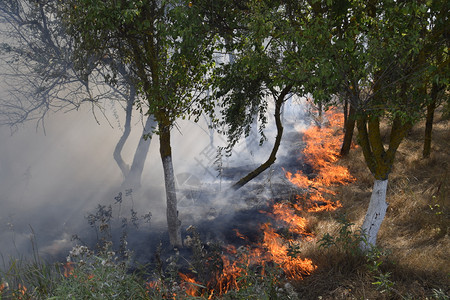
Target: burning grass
284, 237
414, 232
308, 250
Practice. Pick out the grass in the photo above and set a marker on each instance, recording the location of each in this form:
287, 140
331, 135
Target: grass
415, 230
410, 262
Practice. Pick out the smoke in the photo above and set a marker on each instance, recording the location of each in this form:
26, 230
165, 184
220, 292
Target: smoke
50, 182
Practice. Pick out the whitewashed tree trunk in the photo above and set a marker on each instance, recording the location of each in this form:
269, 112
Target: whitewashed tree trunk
375, 214
172, 211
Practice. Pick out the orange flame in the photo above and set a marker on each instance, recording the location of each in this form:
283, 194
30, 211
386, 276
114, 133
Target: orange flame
190, 285
228, 278
68, 269
153, 285
321, 153
289, 214
293, 266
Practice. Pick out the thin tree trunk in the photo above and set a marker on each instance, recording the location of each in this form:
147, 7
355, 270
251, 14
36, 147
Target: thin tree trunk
273, 154
173, 222
346, 113
429, 121
133, 179
320, 109
349, 126
428, 130
124, 168
375, 214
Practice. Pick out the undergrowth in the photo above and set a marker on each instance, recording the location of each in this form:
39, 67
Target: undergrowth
410, 261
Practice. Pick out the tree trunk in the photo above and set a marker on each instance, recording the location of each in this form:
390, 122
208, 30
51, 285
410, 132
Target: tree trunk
429, 121
349, 126
375, 214
320, 109
124, 168
345, 113
428, 129
273, 154
133, 179
380, 162
173, 222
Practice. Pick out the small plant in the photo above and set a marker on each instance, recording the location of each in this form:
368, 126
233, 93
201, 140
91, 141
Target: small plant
383, 282
439, 294
22, 278
101, 275
165, 282
347, 241
375, 257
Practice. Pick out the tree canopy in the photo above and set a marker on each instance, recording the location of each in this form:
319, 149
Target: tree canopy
388, 59
165, 46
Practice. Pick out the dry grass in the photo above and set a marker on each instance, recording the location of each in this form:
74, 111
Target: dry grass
415, 230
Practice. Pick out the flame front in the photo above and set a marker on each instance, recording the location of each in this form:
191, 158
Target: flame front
282, 249
190, 285
321, 153
278, 248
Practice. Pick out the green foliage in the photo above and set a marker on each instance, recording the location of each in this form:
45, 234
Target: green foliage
256, 72
383, 282
375, 258
23, 278
376, 54
165, 46
27, 279
101, 275
347, 241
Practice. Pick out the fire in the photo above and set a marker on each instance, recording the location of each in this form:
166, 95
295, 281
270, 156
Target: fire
3, 287
282, 238
321, 153
68, 269
158, 285
293, 266
290, 215
191, 286
236, 264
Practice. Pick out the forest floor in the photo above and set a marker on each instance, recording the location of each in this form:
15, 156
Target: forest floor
414, 237
411, 260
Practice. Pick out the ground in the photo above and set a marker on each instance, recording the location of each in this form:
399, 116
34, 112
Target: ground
415, 232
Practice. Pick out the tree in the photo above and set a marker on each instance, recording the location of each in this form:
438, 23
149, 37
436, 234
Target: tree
40, 77
376, 54
37, 68
261, 72
349, 126
437, 95
132, 174
165, 45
